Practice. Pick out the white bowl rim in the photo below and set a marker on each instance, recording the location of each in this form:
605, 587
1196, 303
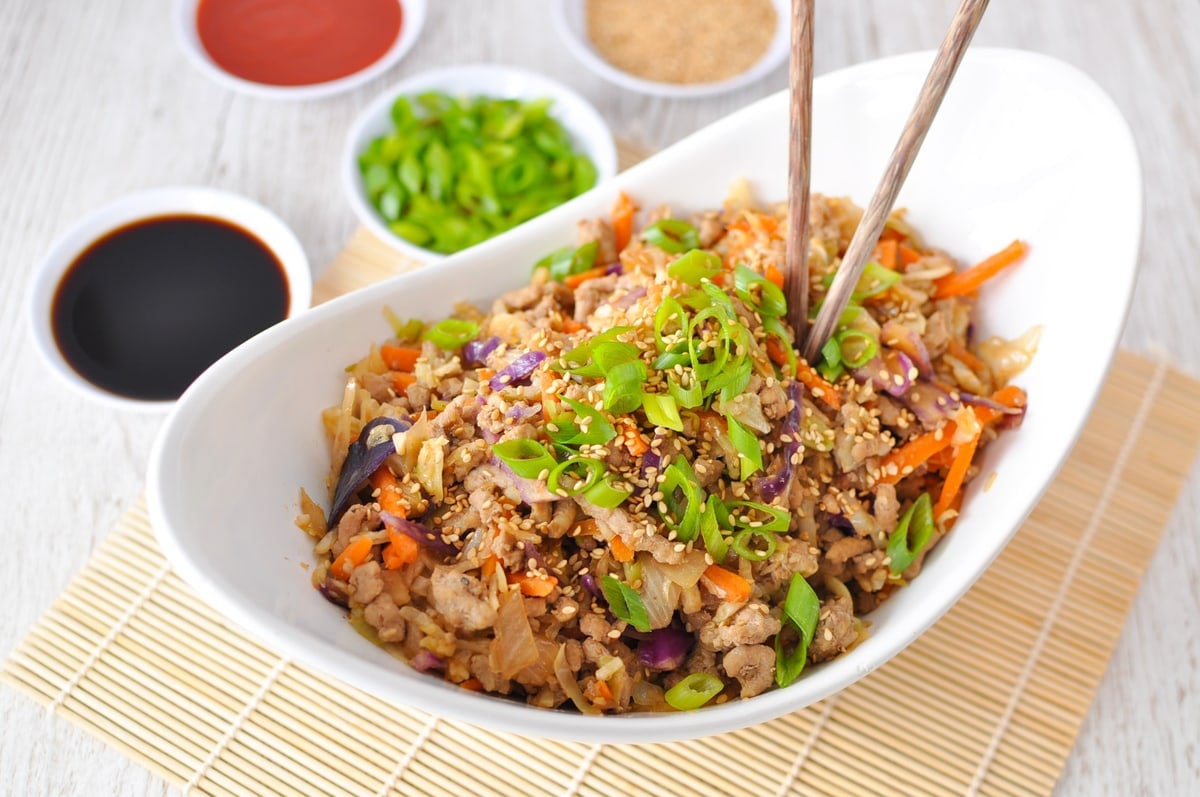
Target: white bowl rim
412, 21
604, 158
243, 212
772, 57
822, 682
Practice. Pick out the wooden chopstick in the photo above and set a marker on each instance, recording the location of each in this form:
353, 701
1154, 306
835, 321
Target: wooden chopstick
949, 55
800, 78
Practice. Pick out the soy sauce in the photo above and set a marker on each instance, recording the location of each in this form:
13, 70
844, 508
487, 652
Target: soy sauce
148, 307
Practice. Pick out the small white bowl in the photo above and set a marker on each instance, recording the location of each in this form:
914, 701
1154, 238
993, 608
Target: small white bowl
237, 210
587, 129
570, 20
1024, 146
412, 20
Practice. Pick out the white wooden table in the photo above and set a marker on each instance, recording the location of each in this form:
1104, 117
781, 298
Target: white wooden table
96, 101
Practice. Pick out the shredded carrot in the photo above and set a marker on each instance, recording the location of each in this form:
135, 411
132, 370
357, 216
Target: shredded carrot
485, 373
489, 566
472, 684
586, 528
399, 358
635, 441
622, 220
390, 498
964, 354
403, 550
603, 691
620, 549
774, 275
351, 557
533, 586
1010, 396
401, 381
887, 254
570, 325
908, 255
968, 281
727, 585
575, 280
916, 452
776, 351
954, 479
817, 385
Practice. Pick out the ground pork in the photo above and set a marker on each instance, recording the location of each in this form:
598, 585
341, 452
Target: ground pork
835, 629
461, 599
753, 666
750, 625
591, 295
384, 616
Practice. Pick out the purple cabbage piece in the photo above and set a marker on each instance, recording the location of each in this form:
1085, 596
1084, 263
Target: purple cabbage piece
419, 532
426, 660
883, 375
593, 586
841, 523
629, 298
475, 352
665, 648
929, 403
518, 371
531, 551
361, 461
982, 401
914, 346
521, 412
532, 491
771, 487
615, 268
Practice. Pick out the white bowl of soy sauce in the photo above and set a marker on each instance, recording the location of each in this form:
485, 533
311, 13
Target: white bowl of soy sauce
140, 297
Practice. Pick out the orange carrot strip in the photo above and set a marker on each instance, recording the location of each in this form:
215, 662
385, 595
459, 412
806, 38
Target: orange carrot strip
622, 220
401, 381
817, 385
776, 351
727, 585
570, 325
575, 280
533, 586
635, 441
351, 557
774, 275
472, 684
399, 358
604, 691
966, 356
403, 550
390, 496
485, 373
1010, 396
954, 479
620, 549
916, 452
887, 254
968, 281
908, 255
489, 566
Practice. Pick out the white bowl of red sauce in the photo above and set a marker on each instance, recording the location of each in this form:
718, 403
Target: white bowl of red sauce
296, 49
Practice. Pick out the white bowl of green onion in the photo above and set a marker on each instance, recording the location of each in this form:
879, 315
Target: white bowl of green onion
452, 157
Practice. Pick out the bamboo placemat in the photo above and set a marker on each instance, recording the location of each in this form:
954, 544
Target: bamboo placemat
987, 702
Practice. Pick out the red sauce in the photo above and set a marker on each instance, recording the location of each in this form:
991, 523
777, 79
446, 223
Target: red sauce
297, 42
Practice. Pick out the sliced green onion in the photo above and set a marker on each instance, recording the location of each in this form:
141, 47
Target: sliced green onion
746, 443
670, 313
747, 541
526, 458
801, 610
678, 355
694, 266
404, 331
831, 353
580, 360
683, 499
661, 410
706, 369
774, 328
564, 262
569, 432
731, 382
769, 300
623, 387
585, 472
857, 348
608, 354
710, 530
769, 518
451, 333
875, 280
606, 494
905, 545
672, 235
693, 691
686, 397
625, 603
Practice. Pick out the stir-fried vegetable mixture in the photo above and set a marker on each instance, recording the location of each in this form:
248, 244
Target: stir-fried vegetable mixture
621, 489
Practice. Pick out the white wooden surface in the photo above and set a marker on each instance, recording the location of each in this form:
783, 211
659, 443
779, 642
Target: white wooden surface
96, 100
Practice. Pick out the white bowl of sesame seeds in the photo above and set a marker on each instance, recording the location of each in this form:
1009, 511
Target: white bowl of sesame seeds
1061, 172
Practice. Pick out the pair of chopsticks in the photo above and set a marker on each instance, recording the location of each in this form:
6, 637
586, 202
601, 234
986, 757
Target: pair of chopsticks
945, 64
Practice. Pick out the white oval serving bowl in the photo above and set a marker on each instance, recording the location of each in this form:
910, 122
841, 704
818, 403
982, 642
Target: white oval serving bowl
589, 133
570, 21
1025, 146
239, 211
412, 20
